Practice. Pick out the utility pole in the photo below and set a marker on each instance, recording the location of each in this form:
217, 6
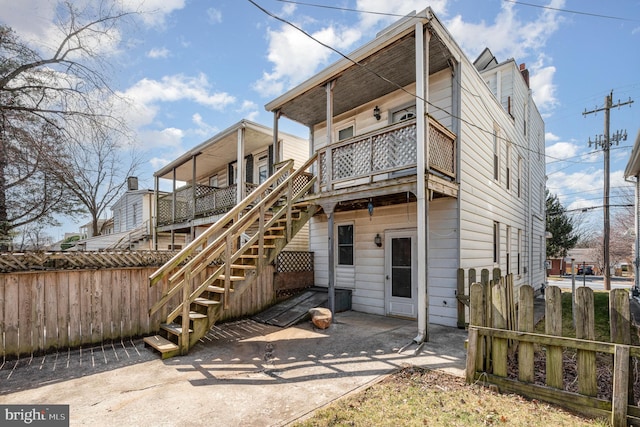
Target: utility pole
604, 142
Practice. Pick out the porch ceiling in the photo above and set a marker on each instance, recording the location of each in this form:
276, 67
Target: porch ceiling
358, 85
215, 154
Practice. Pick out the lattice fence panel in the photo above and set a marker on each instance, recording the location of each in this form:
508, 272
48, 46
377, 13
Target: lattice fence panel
323, 167
441, 152
30, 261
294, 261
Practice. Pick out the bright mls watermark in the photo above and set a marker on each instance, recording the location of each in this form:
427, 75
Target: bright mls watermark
34, 415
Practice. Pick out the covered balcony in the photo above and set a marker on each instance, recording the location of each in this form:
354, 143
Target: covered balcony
385, 154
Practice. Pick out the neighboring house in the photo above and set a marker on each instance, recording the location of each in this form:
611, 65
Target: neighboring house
469, 194
581, 257
130, 226
221, 180
633, 171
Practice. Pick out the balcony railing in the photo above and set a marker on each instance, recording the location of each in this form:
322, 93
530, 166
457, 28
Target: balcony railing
380, 154
206, 202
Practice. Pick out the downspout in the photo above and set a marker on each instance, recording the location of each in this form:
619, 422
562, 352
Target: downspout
422, 163
331, 287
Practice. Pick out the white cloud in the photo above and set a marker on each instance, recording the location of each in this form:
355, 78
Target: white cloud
203, 129
550, 137
561, 151
295, 56
543, 88
393, 8
176, 88
158, 52
157, 163
215, 16
153, 12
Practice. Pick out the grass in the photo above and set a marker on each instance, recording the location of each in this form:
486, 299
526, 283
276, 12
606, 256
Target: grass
420, 397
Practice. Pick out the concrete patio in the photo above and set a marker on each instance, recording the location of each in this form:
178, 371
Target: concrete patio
243, 373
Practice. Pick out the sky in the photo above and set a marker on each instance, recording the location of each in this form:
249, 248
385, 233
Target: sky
191, 68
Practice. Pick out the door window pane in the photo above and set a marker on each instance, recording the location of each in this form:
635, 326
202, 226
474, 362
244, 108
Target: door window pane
401, 267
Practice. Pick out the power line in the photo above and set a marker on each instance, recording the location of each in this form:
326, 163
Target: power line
520, 3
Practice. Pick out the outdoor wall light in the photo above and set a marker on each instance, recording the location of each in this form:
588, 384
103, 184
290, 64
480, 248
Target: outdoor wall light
376, 112
377, 240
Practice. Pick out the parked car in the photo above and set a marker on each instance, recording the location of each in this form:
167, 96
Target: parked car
587, 271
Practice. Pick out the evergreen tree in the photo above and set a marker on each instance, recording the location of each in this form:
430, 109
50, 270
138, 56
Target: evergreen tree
564, 235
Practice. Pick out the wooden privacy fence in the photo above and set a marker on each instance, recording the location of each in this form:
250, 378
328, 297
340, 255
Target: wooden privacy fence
43, 311
487, 281
491, 344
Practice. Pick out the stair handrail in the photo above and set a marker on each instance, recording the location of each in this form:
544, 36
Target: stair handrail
214, 249
217, 226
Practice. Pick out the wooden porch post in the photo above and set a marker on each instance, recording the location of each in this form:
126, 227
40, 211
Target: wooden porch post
193, 186
173, 210
422, 136
328, 210
154, 215
329, 157
240, 165
276, 142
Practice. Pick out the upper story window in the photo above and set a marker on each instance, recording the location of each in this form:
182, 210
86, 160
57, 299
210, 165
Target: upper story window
213, 181
496, 155
402, 114
508, 166
262, 167
135, 214
346, 133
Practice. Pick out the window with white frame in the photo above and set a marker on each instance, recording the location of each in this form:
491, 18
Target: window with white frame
345, 244
508, 166
213, 181
519, 177
262, 167
405, 113
508, 253
496, 155
346, 132
496, 242
519, 243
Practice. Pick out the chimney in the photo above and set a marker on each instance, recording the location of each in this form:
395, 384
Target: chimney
132, 183
525, 73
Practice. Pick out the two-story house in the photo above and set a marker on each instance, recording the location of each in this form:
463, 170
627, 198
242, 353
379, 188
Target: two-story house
420, 163
427, 162
213, 177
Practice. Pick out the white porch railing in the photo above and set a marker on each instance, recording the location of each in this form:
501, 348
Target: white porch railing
379, 154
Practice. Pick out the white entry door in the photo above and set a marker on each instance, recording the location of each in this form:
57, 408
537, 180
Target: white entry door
401, 285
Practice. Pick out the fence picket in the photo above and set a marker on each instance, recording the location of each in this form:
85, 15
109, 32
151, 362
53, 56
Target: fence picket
525, 324
499, 345
585, 329
553, 326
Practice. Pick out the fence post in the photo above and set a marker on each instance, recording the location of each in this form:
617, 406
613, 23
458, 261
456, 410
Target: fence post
553, 326
585, 329
525, 324
619, 396
486, 283
476, 318
460, 295
473, 347
499, 345
620, 327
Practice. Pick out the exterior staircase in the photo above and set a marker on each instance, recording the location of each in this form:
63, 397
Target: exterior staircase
236, 248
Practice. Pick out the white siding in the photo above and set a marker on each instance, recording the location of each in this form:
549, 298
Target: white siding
366, 277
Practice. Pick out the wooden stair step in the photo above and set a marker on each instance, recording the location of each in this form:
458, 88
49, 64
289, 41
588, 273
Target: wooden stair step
273, 237
195, 315
161, 344
243, 267
206, 302
217, 289
232, 278
264, 246
173, 328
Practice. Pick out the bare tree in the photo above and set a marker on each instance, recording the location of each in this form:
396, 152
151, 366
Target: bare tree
96, 171
45, 98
